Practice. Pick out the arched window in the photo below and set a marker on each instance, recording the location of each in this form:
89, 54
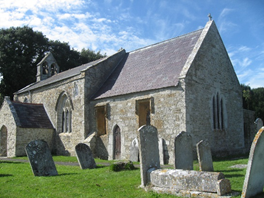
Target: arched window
53, 69
64, 114
45, 68
218, 112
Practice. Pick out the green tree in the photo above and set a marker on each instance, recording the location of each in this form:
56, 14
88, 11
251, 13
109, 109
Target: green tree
21, 49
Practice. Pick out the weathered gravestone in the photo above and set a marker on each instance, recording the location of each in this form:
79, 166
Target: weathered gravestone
254, 179
85, 156
134, 152
40, 158
183, 151
259, 123
204, 156
148, 152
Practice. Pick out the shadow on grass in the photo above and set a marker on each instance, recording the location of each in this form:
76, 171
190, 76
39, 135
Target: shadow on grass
63, 174
5, 175
10, 162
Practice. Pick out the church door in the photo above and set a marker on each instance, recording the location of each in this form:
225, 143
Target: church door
117, 142
3, 141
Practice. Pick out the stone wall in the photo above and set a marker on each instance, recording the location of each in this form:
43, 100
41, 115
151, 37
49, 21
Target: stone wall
48, 96
8, 123
26, 135
212, 73
167, 115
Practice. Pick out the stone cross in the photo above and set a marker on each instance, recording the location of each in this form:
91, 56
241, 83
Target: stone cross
183, 154
254, 179
204, 156
40, 158
148, 152
85, 156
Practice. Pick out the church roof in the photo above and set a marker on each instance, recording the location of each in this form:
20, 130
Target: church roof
153, 67
60, 76
30, 115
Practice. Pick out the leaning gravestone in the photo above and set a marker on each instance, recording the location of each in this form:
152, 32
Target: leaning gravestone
259, 123
85, 156
148, 152
40, 158
183, 154
134, 151
204, 156
254, 179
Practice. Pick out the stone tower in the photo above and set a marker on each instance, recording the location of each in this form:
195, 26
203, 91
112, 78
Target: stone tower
47, 67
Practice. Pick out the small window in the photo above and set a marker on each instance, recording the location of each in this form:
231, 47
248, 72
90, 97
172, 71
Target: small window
218, 112
101, 120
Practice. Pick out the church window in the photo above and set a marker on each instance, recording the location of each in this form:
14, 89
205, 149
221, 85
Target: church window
64, 114
218, 112
101, 119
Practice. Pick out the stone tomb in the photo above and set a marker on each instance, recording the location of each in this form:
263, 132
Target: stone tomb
40, 158
183, 151
85, 156
254, 179
204, 156
148, 152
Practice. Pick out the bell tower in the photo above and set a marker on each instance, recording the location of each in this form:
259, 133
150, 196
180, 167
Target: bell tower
47, 67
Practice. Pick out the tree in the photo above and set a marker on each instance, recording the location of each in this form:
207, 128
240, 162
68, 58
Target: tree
21, 49
253, 99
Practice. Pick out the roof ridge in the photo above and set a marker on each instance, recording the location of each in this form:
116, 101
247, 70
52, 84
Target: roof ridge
165, 41
24, 103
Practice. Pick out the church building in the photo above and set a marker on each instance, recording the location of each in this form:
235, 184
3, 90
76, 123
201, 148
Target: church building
185, 83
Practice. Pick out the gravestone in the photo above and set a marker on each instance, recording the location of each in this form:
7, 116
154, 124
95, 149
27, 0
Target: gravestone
259, 123
40, 158
183, 154
134, 152
163, 150
254, 179
204, 156
85, 156
148, 152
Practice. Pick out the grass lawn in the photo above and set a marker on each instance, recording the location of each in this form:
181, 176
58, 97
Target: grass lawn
17, 180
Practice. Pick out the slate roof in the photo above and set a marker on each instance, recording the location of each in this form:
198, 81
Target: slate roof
32, 115
60, 76
153, 67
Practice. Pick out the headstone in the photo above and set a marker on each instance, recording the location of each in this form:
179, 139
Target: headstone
259, 123
183, 154
254, 179
148, 152
204, 156
85, 156
40, 158
134, 152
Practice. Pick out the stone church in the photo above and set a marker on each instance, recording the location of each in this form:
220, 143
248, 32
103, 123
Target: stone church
186, 83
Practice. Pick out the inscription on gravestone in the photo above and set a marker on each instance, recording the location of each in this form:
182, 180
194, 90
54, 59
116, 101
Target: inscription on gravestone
85, 156
204, 156
148, 152
254, 179
183, 151
40, 158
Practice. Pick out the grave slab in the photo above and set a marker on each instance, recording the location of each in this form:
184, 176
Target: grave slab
85, 156
183, 151
40, 158
204, 156
148, 151
254, 179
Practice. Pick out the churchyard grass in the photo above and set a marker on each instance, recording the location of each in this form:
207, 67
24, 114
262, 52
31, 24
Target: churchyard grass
17, 180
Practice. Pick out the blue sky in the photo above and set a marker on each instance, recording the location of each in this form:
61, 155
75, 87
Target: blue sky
108, 25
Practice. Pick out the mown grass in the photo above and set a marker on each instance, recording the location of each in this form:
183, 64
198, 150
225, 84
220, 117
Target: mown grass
17, 180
